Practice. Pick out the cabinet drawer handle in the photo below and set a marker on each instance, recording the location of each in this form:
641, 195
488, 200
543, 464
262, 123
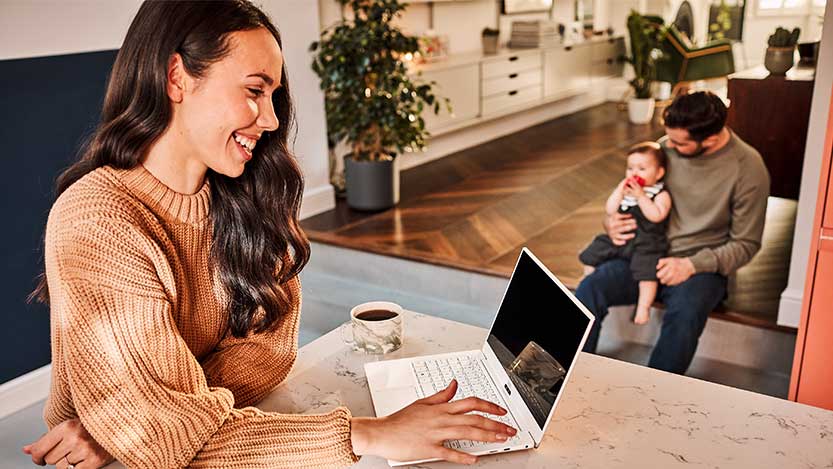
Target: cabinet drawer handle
568, 48
513, 58
513, 92
514, 75
610, 61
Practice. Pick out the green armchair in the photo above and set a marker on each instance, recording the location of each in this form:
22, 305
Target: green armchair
683, 63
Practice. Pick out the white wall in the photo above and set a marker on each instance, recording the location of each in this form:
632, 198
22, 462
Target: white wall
298, 22
789, 312
34, 28
462, 21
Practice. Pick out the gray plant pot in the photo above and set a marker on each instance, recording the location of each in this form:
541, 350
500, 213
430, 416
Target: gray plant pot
779, 59
371, 185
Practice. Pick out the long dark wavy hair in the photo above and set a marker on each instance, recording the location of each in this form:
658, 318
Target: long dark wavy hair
254, 216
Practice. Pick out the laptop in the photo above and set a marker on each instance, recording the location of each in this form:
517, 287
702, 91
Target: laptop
523, 365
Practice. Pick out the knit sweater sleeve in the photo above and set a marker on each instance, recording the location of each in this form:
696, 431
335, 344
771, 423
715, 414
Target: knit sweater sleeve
136, 386
252, 366
748, 213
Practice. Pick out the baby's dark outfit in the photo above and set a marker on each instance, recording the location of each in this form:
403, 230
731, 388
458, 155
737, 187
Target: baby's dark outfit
644, 250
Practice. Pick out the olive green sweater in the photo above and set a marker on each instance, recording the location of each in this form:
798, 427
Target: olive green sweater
717, 219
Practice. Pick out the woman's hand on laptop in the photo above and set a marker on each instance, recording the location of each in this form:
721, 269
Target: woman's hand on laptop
418, 431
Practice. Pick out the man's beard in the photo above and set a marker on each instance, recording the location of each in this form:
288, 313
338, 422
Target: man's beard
697, 151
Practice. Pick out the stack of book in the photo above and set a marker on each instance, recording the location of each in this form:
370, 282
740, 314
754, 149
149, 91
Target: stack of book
526, 34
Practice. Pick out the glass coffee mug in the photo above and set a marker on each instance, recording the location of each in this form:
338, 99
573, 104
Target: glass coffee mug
374, 327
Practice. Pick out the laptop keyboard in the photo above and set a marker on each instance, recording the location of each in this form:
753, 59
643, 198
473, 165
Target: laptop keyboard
434, 375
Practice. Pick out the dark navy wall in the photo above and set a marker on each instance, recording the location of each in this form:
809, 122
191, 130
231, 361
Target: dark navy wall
49, 104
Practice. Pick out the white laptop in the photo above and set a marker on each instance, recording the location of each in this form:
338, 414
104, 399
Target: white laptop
523, 365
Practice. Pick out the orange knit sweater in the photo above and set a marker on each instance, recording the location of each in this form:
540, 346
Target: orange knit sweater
141, 350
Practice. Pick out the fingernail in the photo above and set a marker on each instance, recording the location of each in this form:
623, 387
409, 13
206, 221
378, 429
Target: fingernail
512, 431
501, 436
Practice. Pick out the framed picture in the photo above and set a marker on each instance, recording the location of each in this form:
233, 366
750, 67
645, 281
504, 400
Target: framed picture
726, 20
526, 6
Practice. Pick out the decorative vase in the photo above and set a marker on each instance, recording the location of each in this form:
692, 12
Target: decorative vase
641, 111
808, 53
371, 185
779, 59
489, 44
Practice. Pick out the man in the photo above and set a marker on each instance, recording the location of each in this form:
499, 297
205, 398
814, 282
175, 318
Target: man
719, 186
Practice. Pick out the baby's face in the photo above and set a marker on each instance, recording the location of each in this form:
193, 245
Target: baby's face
645, 166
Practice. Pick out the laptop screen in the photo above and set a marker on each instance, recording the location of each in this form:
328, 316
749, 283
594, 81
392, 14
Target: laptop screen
536, 335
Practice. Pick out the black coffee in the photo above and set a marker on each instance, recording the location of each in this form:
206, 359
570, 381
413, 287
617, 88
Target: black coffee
376, 315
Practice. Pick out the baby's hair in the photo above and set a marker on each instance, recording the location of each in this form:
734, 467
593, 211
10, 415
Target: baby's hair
652, 148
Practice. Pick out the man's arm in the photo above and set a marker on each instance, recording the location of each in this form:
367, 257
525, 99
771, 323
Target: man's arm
748, 212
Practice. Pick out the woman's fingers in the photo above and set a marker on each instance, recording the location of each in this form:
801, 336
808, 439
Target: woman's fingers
470, 404
44, 445
459, 457
474, 420
470, 433
443, 396
58, 452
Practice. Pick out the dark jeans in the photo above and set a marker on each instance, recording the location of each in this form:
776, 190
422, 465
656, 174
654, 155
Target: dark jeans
687, 307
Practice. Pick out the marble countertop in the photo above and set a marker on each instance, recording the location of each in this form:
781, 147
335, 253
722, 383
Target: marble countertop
613, 414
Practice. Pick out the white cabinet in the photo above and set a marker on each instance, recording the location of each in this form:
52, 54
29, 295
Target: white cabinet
606, 59
461, 86
513, 63
510, 81
566, 70
511, 99
483, 87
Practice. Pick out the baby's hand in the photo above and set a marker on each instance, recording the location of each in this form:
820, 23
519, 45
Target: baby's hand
633, 188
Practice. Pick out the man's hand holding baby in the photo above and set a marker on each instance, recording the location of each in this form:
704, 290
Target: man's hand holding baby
620, 227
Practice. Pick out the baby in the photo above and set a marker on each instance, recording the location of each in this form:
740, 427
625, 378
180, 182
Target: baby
642, 195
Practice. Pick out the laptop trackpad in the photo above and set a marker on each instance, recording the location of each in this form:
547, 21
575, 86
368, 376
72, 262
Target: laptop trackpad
390, 400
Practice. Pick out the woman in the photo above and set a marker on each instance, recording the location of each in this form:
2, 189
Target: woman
172, 256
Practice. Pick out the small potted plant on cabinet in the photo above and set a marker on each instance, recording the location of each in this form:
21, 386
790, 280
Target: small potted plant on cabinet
489, 38
372, 103
780, 53
645, 36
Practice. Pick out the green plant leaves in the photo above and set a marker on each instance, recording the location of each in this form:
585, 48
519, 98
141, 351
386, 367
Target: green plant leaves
646, 34
784, 37
370, 99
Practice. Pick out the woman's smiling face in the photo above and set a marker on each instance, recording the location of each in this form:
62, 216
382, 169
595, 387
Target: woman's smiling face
221, 116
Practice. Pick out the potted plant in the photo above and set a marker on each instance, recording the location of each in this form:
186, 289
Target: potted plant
372, 103
646, 33
489, 37
781, 51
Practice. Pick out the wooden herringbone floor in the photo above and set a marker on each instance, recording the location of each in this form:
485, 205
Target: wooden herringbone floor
544, 188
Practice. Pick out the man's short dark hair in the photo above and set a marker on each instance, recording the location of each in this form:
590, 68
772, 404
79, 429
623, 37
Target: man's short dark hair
651, 148
702, 114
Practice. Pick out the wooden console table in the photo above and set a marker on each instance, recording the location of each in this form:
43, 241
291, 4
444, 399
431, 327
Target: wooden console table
771, 113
